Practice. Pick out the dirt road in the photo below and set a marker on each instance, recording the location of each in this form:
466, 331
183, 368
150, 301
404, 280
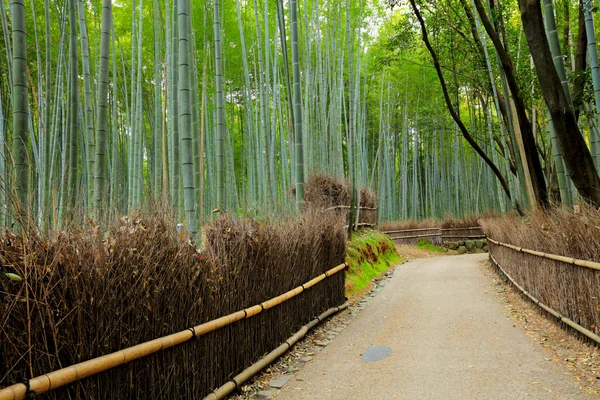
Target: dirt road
435, 331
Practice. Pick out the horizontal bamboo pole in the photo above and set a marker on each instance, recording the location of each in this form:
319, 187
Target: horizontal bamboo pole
566, 260
347, 207
555, 313
411, 237
415, 230
52, 380
255, 368
464, 236
461, 229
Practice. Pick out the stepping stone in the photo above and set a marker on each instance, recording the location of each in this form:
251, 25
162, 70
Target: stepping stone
262, 395
280, 381
322, 343
305, 359
375, 353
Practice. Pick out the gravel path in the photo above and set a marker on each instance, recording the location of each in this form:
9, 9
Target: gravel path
434, 331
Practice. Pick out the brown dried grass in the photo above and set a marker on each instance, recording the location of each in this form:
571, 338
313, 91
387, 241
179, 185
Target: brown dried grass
324, 191
571, 290
90, 294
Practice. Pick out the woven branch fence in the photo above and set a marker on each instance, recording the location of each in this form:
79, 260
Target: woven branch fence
73, 373
566, 287
80, 296
436, 235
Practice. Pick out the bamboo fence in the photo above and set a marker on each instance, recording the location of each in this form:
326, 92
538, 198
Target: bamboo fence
568, 294
55, 379
436, 235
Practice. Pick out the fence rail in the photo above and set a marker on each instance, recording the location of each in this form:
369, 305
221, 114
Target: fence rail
436, 235
53, 380
581, 297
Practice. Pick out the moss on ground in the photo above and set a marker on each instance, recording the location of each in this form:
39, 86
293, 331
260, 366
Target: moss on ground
370, 253
425, 244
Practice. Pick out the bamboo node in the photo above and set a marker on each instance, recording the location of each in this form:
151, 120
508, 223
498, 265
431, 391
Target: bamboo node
29, 394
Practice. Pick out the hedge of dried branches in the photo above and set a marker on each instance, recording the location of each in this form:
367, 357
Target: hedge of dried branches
571, 290
324, 191
84, 294
447, 222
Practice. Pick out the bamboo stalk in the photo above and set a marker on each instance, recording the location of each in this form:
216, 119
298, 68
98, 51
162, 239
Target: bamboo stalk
50, 381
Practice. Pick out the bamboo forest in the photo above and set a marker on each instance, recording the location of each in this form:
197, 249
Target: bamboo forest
169, 163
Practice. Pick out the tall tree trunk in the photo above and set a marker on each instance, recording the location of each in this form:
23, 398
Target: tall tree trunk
451, 108
298, 148
73, 114
221, 200
185, 119
100, 165
572, 144
20, 106
532, 159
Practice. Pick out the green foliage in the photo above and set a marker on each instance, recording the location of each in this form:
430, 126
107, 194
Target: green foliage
370, 253
425, 244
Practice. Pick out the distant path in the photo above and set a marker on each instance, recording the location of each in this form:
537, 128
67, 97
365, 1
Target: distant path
449, 339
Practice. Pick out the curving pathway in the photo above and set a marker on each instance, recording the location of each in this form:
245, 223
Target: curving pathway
435, 331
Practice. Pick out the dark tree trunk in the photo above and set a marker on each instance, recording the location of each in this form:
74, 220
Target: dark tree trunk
452, 109
572, 144
532, 161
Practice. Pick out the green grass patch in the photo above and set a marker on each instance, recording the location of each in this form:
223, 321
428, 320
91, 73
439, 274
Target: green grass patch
370, 253
425, 244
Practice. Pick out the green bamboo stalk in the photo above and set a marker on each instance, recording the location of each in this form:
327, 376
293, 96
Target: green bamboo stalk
158, 117
220, 148
87, 97
298, 143
595, 67
557, 56
100, 164
185, 119
73, 114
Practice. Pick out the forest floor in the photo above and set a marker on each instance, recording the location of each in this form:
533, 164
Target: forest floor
443, 327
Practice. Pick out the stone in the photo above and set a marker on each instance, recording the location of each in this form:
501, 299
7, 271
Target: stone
338, 329
322, 343
375, 353
452, 245
304, 359
280, 381
462, 250
262, 395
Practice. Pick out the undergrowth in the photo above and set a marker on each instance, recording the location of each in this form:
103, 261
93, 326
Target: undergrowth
370, 253
425, 244
571, 290
448, 222
69, 296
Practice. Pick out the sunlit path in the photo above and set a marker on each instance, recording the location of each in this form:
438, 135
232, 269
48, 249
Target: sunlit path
449, 339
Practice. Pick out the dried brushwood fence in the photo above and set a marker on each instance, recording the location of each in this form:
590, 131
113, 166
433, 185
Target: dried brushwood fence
435, 235
332, 194
554, 256
458, 234
566, 287
78, 296
412, 236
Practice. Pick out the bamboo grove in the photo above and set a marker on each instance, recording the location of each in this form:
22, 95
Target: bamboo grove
207, 106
